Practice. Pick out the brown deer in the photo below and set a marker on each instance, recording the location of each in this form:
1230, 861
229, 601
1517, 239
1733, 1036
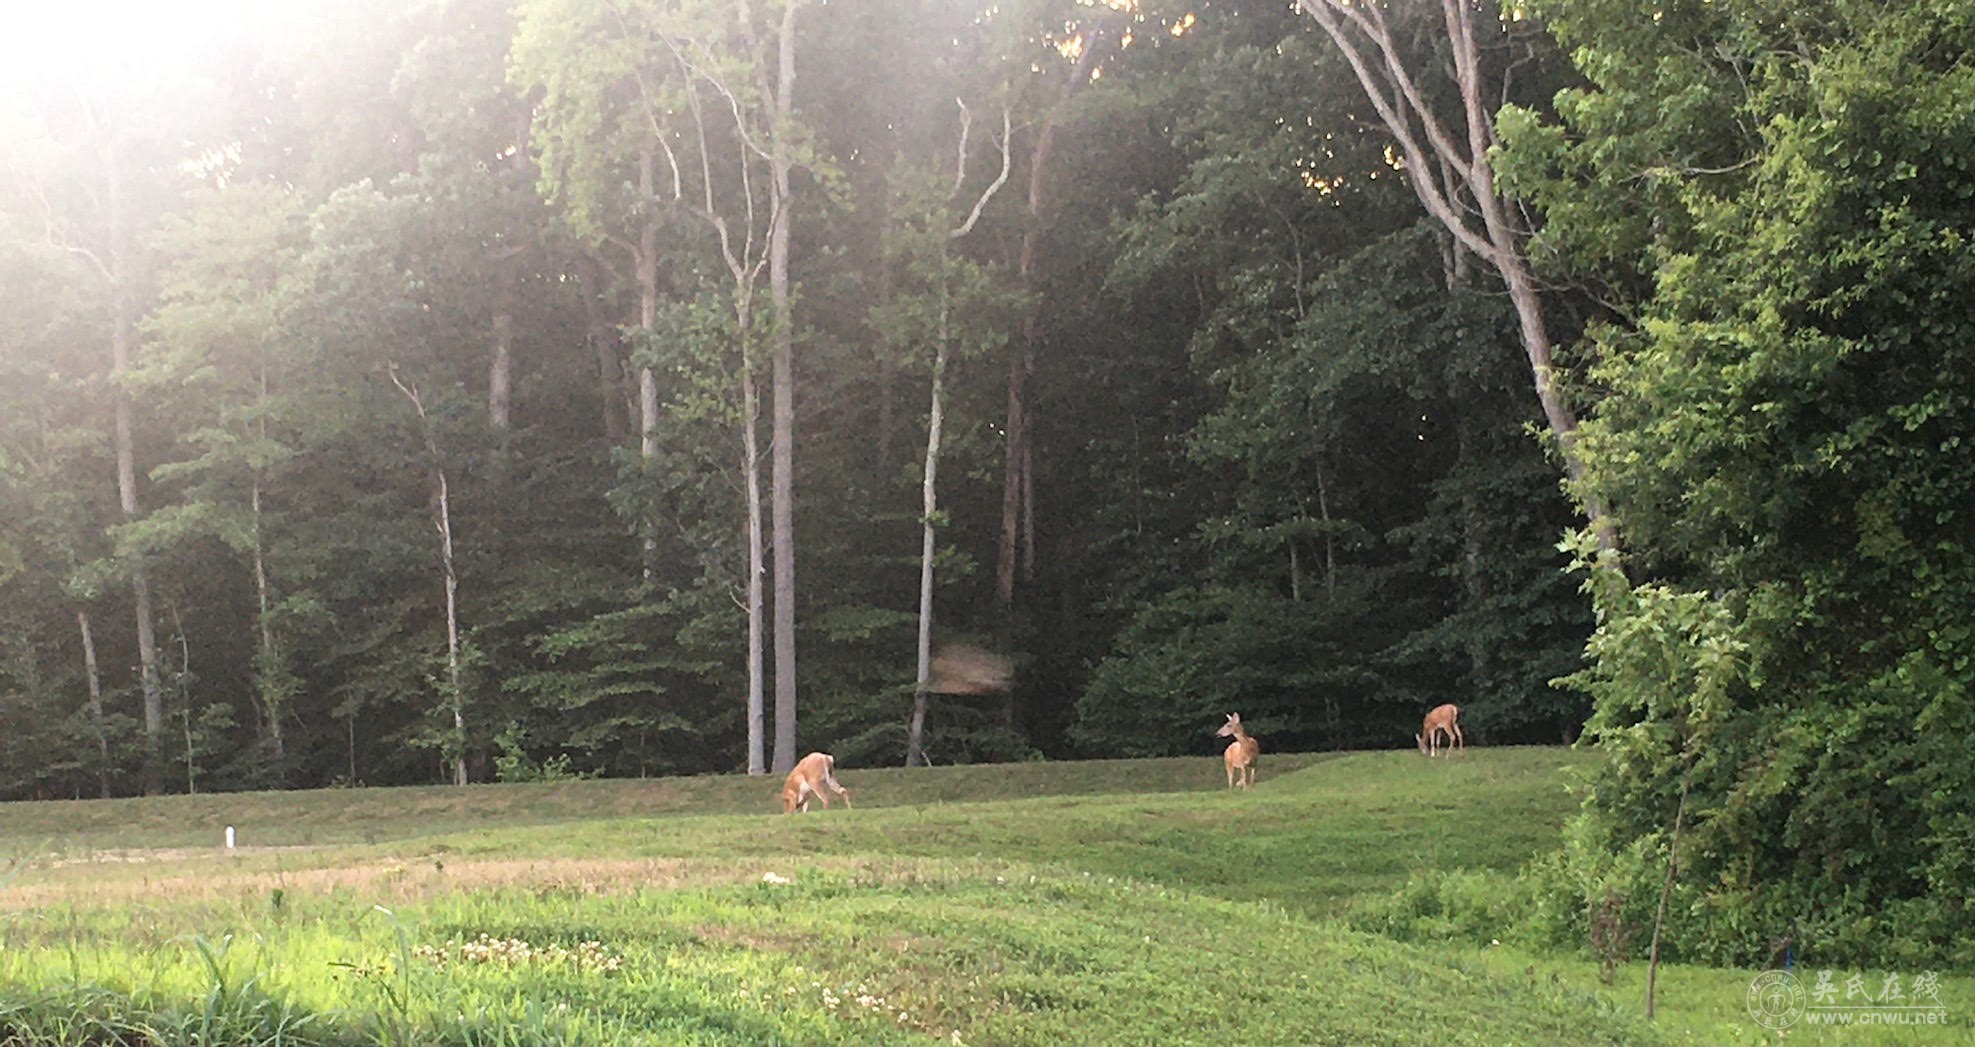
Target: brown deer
815, 773
1241, 754
1443, 720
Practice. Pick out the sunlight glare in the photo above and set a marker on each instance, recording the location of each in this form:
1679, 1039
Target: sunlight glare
108, 44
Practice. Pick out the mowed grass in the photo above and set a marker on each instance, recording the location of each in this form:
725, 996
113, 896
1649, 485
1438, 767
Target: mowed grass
1108, 902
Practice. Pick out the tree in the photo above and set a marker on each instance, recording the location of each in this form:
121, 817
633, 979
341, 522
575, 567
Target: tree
96, 206
732, 74
599, 150
1445, 157
945, 301
1785, 198
208, 342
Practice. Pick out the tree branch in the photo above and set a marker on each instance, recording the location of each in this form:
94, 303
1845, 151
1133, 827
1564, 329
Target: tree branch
1000, 179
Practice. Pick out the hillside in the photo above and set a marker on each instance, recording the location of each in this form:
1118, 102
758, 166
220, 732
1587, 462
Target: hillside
1022, 904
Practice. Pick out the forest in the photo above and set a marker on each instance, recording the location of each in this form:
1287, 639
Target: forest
491, 390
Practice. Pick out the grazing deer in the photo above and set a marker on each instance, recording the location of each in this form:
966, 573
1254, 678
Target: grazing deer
815, 773
1443, 720
1241, 753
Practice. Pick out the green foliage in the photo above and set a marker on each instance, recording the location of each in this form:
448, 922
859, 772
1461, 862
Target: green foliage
1782, 439
513, 764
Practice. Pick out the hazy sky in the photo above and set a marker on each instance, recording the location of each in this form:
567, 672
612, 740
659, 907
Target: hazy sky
103, 41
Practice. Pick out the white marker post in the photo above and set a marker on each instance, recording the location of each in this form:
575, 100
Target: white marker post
229, 837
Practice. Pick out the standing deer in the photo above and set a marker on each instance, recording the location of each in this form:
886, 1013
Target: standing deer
1241, 753
815, 773
1444, 719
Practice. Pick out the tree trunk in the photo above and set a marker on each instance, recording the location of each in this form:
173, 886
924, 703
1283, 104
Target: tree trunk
500, 371
1330, 537
1666, 891
1017, 482
184, 689
915, 736
782, 447
1011, 475
140, 583
442, 521
95, 679
1451, 175
271, 696
756, 568
455, 685
610, 372
647, 262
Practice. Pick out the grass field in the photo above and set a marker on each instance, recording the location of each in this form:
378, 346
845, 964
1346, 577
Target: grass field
1103, 902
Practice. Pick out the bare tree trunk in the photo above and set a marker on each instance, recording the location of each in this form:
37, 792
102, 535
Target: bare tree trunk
185, 696
756, 567
782, 449
647, 262
120, 347
915, 736
95, 679
443, 522
1451, 175
454, 683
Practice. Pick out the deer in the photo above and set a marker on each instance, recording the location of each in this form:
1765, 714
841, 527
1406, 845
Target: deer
1443, 720
1241, 753
813, 774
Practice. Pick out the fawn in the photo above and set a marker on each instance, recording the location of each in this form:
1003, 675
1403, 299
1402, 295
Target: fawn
1241, 753
815, 773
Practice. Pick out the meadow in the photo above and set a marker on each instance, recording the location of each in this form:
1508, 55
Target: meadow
1100, 902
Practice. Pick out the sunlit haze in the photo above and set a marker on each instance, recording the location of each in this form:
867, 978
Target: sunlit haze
107, 43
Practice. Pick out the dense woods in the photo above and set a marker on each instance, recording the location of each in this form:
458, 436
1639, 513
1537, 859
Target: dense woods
496, 389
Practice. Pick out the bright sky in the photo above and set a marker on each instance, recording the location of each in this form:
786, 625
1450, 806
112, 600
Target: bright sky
105, 42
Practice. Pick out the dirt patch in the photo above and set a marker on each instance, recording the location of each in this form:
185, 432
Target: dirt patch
389, 879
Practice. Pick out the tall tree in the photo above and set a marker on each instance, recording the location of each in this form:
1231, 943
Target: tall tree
784, 154
1443, 148
97, 209
944, 301
209, 339
600, 153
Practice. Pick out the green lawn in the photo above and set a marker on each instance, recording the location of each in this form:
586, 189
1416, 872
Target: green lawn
1104, 902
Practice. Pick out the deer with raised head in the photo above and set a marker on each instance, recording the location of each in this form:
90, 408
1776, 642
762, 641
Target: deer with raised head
1444, 720
813, 774
1241, 754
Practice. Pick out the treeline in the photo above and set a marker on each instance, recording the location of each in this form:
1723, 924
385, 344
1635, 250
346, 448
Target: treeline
494, 389
412, 405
